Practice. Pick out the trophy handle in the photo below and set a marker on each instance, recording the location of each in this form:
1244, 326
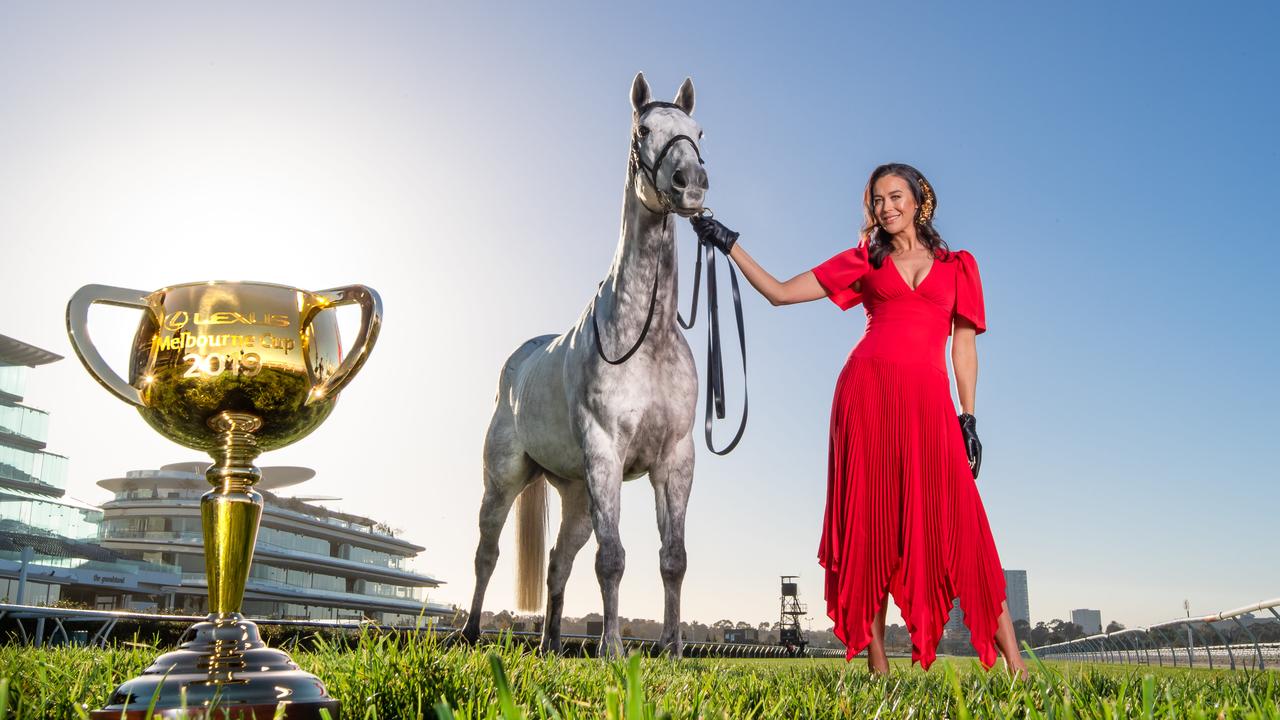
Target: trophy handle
371, 322
78, 329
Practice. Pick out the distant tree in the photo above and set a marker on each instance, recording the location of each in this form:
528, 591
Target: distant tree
740, 625
722, 624
1114, 626
765, 627
1040, 634
1061, 631
1022, 631
896, 638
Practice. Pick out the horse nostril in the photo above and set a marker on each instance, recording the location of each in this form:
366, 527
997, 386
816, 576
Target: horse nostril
677, 179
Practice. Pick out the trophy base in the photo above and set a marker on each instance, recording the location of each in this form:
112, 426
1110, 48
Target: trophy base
226, 672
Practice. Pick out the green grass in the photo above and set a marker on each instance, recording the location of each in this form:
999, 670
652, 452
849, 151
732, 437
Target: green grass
402, 677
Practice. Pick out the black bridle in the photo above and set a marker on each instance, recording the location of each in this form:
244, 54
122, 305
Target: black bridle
650, 173
715, 364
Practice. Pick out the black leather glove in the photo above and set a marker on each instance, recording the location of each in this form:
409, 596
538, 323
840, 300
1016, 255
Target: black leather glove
713, 231
972, 447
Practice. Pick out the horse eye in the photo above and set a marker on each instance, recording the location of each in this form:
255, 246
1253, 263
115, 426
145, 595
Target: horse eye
644, 131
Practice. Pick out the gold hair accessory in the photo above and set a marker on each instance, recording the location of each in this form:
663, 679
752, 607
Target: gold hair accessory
926, 207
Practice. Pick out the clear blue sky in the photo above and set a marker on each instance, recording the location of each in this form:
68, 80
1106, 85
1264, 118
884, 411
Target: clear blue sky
1111, 166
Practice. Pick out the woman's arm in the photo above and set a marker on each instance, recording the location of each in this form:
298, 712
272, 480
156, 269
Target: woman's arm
801, 288
964, 360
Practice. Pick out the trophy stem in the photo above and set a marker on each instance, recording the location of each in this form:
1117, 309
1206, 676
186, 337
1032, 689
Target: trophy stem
230, 512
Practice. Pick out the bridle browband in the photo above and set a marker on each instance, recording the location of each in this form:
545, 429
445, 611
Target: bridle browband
715, 365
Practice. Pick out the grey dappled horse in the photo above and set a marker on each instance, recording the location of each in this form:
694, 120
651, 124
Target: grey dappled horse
567, 416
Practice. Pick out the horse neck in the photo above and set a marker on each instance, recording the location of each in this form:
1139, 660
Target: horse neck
646, 245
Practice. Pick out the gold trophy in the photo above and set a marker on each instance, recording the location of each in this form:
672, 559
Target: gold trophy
232, 369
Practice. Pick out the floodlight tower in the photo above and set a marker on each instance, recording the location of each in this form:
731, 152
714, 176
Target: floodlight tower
789, 633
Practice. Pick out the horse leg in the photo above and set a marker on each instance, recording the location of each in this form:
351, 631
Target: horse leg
575, 529
672, 480
604, 484
507, 469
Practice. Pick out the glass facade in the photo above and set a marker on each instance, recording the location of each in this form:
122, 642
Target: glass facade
25, 422
30, 476
373, 557
13, 380
35, 466
23, 514
35, 593
285, 540
367, 587
297, 578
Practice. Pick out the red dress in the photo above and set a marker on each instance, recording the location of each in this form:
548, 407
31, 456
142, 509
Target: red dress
903, 512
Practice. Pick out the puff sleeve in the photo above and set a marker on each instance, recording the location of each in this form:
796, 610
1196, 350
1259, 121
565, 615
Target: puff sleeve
838, 275
969, 292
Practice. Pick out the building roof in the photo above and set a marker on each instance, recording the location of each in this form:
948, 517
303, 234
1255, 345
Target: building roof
190, 476
16, 352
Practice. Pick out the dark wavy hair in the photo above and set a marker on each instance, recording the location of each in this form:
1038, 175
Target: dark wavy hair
879, 242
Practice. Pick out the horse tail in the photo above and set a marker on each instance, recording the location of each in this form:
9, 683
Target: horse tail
531, 544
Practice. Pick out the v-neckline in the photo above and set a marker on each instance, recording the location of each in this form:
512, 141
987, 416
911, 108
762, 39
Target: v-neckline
898, 272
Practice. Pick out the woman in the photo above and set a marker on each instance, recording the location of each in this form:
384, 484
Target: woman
903, 515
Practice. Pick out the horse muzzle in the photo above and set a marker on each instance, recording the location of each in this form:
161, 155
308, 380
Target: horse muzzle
688, 190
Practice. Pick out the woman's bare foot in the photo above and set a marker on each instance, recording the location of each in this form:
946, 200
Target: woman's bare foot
1007, 644
1017, 669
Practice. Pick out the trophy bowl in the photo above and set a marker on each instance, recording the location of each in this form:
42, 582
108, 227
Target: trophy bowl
208, 348
232, 369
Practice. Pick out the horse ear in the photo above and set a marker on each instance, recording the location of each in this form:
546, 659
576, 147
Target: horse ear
684, 98
639, 92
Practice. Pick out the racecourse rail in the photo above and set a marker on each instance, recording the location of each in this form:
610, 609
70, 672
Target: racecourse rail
39, 625
1222, 640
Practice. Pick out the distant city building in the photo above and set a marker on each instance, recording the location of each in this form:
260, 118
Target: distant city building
310, 562
955, 629
48, 553
1089, 620
1015, 588
1016, 596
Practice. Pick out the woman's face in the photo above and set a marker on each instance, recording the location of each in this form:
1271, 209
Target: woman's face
893, 203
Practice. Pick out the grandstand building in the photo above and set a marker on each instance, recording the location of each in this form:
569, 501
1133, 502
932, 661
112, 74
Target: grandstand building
310, 562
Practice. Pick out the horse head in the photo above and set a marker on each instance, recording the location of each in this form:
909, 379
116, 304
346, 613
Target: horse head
664, 151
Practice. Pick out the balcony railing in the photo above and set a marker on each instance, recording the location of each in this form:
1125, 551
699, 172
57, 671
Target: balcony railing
33, 466
26, 422
304, 593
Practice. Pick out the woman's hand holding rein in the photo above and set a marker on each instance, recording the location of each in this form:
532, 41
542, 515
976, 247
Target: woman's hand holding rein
801, 288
